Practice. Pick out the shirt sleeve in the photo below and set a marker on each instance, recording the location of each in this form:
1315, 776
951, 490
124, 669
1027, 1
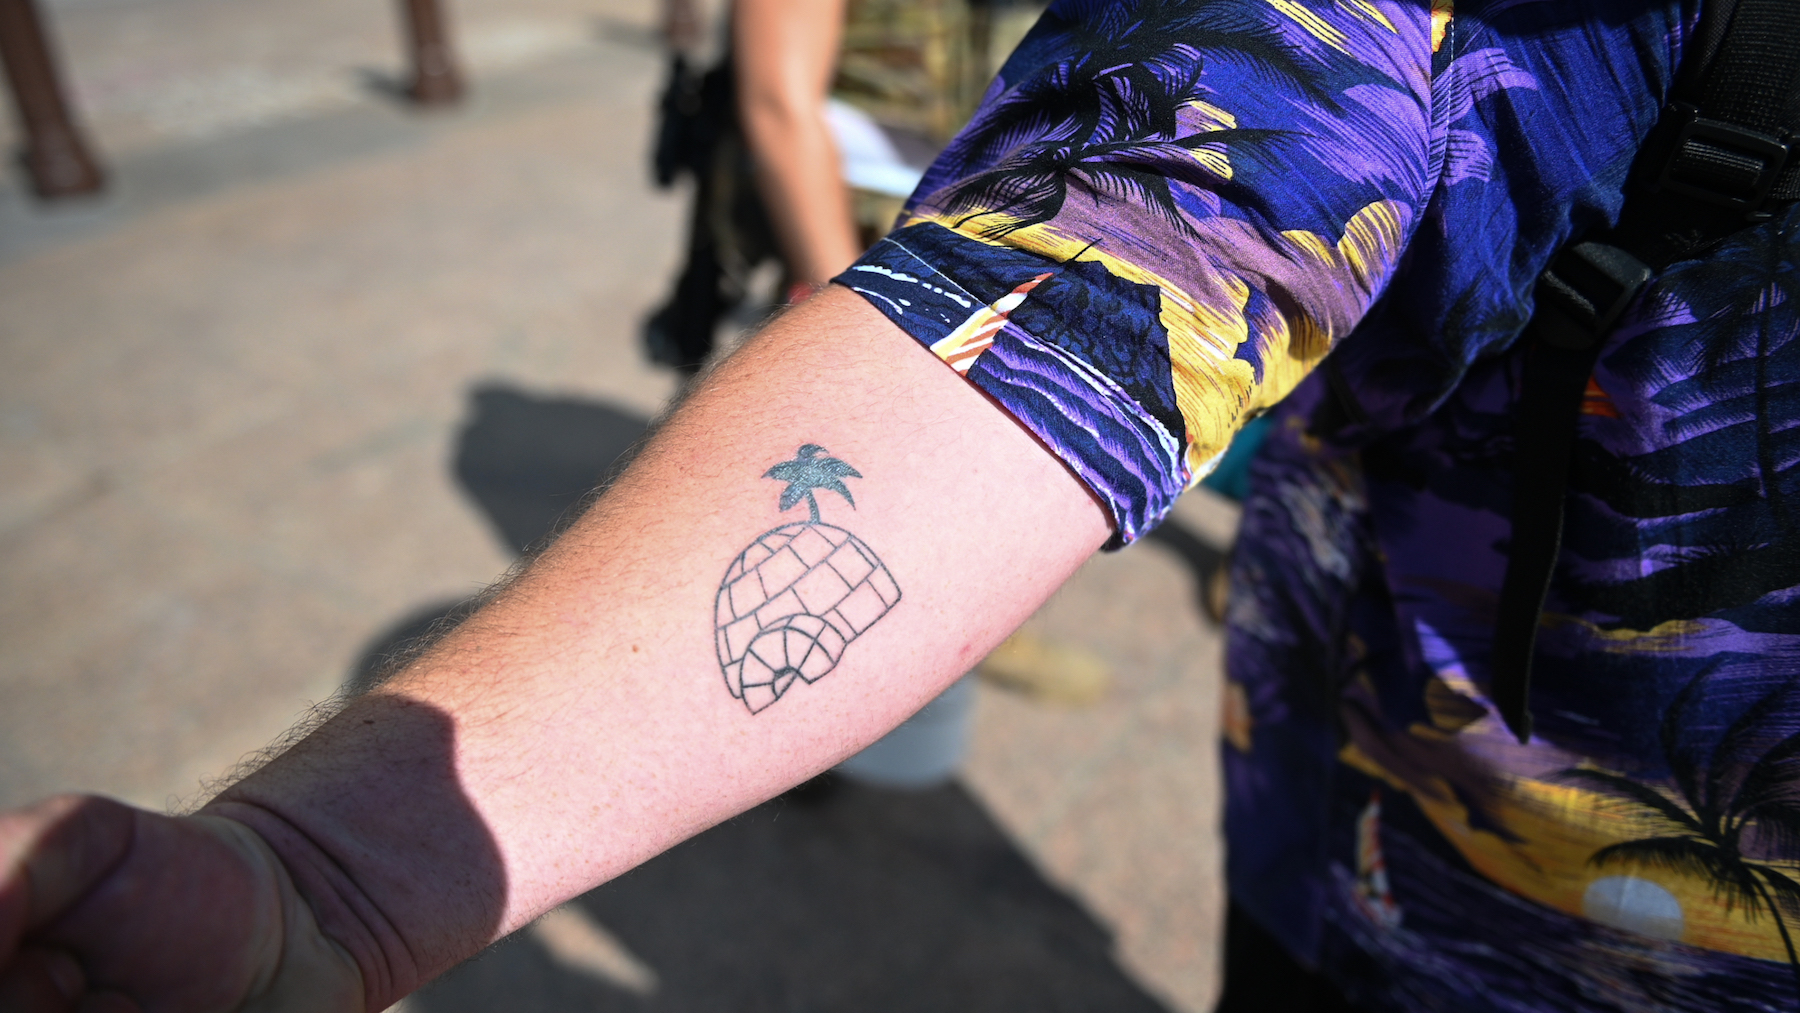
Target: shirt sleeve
1163, 215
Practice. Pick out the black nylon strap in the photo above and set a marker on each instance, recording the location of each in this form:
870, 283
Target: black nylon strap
1556, 377
1579, 298
1744, 79
1750, 78
1717, 161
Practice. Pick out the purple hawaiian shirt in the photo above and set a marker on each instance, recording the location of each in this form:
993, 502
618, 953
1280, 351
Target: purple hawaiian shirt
1162, 219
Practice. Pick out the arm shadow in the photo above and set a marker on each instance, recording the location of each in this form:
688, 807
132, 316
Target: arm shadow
868, 901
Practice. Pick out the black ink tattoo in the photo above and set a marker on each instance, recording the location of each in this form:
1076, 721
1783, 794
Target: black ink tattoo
799, 595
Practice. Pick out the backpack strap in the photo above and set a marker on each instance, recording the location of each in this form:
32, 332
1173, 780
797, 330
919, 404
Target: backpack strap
1717, 162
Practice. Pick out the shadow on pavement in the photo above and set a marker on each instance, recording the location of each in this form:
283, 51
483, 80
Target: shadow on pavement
838, 899
528, 461
1201, 557
866, 901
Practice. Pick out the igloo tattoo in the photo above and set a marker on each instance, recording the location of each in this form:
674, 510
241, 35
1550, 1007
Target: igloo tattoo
799, 595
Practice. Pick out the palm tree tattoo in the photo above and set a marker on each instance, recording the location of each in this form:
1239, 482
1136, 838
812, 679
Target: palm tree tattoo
793, 600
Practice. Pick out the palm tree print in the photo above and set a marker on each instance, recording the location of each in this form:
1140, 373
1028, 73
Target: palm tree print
1719, 381
794, 600
1112, 114
1742, 802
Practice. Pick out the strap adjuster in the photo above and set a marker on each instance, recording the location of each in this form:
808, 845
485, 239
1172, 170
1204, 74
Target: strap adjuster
1583, 293
1721, 163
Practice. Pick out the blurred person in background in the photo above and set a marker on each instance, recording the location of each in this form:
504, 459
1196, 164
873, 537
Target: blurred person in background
1154, 230
786, 56
806, 138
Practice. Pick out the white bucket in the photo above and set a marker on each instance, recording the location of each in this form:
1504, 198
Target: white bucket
926, 750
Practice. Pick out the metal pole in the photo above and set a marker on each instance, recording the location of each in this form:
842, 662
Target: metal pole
56, 156
435, 80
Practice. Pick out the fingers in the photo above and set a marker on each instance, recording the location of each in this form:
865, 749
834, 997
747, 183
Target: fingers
41, 980
99, 902
107, 1002
53, 853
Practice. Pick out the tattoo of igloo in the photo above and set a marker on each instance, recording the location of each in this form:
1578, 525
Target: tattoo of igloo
793, 600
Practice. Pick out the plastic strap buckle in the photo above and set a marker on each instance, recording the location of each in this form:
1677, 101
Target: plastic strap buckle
1721, 163
1583, 291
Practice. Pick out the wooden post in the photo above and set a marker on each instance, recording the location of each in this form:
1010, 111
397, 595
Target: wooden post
435, 80
55, 154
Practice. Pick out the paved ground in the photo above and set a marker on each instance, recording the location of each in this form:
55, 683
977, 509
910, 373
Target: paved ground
245, 401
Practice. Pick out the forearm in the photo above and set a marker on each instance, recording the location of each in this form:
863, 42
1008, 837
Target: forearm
785, 52
582, 722
799, 181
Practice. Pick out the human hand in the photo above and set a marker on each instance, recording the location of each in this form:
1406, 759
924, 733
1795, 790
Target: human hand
109, 909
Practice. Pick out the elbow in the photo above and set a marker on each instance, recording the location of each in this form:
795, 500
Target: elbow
779, 117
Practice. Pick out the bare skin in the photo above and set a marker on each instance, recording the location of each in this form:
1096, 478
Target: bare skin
785, 52
577, 725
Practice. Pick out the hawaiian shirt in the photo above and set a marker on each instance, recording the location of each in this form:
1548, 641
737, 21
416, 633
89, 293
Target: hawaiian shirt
1162, 218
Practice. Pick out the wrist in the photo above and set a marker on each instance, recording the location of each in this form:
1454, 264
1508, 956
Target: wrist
310, 970
335, 942
366, 815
